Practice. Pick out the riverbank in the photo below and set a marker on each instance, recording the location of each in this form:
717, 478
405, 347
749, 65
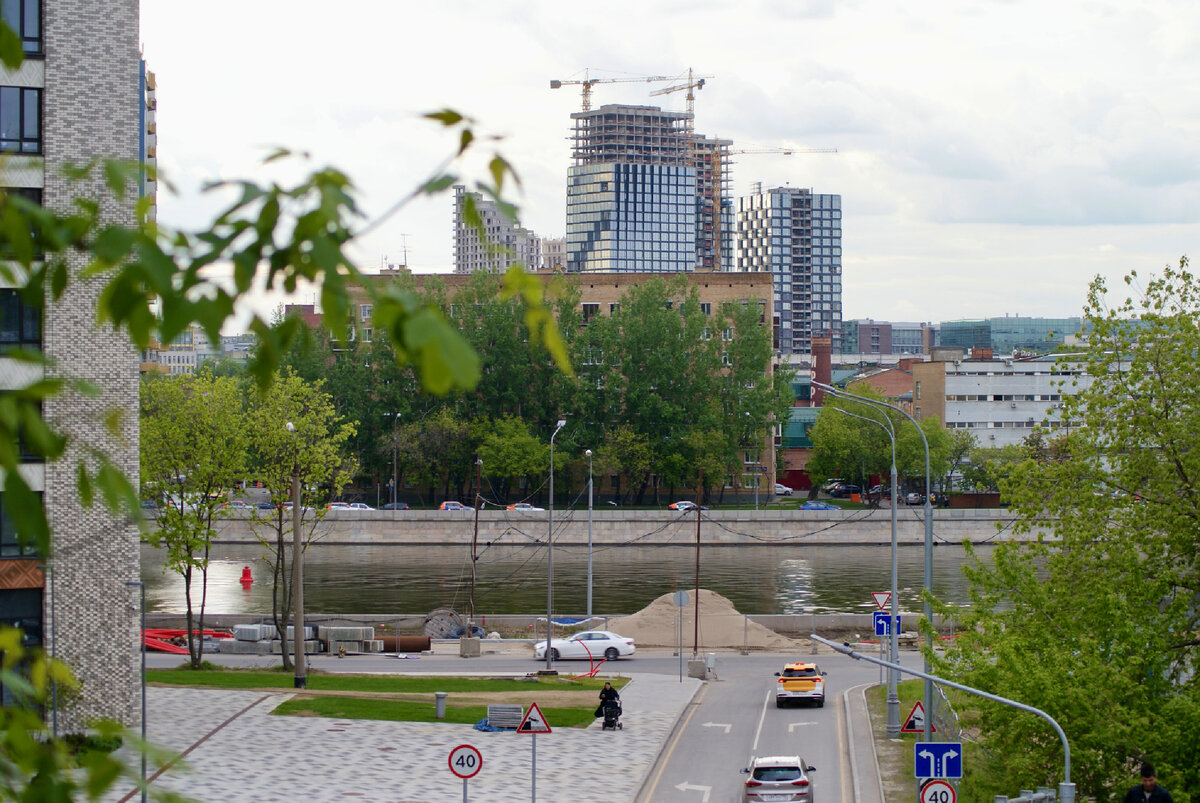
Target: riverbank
643, 527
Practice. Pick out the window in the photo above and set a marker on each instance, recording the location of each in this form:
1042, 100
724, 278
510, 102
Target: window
590, 311
365, 311
10, 545
25, 18
918, 389
20, 321
20, 119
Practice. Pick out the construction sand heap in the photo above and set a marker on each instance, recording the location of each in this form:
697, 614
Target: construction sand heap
657, 625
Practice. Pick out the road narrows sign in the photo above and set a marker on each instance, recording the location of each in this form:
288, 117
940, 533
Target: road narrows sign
465, 761
534, 722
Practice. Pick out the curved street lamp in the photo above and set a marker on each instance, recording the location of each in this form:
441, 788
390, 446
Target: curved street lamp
550, 549
588, 454
928, 608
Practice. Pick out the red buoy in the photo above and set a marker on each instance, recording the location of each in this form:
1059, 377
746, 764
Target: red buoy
247, 578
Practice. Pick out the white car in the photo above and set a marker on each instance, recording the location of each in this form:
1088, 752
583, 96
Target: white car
360, 506
782, 490
526, 507
588, 644
778, 778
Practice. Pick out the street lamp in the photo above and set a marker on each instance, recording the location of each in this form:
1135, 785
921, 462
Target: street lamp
300, 680
756, 466
395, 472
550, 549
928, 607
588, 454
893, 699
142, 642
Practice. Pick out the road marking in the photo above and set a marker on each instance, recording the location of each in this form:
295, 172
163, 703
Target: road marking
718, 725
795, 725
666, 756
847, 782
687, 787
761, 717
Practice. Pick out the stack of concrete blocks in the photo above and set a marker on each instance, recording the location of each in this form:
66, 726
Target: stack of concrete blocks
262, 640
352, 639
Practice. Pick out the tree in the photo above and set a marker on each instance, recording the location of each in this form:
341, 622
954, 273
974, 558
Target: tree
510, 452
1098, 626
192, 451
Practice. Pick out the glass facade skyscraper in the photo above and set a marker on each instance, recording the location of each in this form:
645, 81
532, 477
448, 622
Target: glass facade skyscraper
796, 235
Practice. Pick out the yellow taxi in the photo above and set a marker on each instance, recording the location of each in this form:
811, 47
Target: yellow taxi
799, 682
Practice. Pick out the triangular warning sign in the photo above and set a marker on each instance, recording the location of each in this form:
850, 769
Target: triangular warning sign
534, 722
915, 722
881, 598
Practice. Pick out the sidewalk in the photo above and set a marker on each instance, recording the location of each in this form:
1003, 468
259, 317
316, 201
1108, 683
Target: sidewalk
235, 750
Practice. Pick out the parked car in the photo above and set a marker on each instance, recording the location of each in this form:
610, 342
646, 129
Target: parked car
451, 505
817, 504
843, 490
914, 498
782, 490
832, 483
588, 644
778, 778
800, 682
684, 504
395, 506
880, 491
237, 504
339, 506
265, 506
360, 506
526, 507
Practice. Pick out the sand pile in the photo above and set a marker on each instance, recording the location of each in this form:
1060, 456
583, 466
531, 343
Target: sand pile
657, 625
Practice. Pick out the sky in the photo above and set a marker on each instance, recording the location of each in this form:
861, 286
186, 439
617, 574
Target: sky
993, 155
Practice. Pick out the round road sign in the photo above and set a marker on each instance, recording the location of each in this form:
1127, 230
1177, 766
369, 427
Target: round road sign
680, 598
938, 791
465, 761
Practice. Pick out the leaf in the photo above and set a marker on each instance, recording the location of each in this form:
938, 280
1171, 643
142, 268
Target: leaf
447, 117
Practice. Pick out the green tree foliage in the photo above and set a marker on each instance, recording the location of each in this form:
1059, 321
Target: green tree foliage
315, 451
192, 451
511, 452
1098, 626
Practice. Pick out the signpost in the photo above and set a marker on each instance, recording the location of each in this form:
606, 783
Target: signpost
937, 759
465, 762
915, 721
681, 599
534, 723
881, 599
881, 621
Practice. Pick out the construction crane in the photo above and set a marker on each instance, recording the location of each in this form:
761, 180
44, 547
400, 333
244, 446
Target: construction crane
717, 168
693, 82
587, 83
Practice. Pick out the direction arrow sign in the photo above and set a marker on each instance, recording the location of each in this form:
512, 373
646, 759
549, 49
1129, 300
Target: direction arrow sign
882, 598
881, 619
915, 722
937, 759
534, 722
938, 792
687, 787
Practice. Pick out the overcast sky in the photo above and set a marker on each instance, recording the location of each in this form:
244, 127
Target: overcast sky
993, 156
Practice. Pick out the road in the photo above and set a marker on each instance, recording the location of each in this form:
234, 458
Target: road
732, 717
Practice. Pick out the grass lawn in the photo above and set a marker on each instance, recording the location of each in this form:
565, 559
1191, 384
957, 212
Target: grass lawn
387, 684
340, 707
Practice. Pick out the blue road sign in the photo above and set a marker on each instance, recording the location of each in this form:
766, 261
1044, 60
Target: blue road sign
937, 759
880, 618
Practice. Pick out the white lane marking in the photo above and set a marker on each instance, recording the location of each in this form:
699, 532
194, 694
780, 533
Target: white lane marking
795, 725
761, 717
727, 727
687, 787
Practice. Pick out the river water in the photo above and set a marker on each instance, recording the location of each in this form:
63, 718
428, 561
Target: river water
373, 579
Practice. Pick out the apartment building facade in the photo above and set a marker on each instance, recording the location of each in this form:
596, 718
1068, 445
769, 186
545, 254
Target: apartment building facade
76, 97
507, 242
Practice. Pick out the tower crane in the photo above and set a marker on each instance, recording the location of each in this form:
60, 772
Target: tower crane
588, 82
693, 82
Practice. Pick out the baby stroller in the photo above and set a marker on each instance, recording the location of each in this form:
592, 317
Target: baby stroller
612, 715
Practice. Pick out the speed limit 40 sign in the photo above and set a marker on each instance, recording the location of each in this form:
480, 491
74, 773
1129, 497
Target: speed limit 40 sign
465, 761
938, 791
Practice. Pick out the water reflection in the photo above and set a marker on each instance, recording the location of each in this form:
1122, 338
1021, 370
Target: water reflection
512, 580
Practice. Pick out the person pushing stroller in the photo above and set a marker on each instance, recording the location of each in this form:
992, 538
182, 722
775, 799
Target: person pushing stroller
610, 707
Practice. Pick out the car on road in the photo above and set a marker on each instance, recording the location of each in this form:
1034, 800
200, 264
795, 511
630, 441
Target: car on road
684, 504
265, 506
526, 507
339, 506
817, 504
914, 498
360, 506
843, 490
782, 490
451, 505
778, 778
800, 682
831, 483
588, 644
237, 504
880, 492
395, 506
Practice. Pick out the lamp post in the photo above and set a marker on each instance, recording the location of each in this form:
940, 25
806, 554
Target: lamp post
395, 471
893, 699
550, 549
142, 643
756, 466
300, 681
588, 453
928, 608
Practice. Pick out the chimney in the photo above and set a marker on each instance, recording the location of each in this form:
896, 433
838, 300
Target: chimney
822, 366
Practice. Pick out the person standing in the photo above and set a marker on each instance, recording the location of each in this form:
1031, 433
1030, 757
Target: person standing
1148, 791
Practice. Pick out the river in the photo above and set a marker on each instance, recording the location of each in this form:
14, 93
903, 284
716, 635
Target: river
374, 579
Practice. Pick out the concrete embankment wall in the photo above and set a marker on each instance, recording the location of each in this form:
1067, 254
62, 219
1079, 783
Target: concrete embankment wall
647, 527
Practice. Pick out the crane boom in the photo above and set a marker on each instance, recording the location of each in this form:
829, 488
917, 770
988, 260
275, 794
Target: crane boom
586, 84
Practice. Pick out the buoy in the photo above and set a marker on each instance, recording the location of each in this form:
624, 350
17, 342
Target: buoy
247, 578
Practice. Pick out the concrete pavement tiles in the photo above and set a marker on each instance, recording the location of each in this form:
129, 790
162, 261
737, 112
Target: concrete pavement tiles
236, 750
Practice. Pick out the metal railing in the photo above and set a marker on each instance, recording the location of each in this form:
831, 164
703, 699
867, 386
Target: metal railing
1042, 794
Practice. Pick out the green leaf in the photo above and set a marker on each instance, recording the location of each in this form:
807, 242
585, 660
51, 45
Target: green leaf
12, 51
446, 117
